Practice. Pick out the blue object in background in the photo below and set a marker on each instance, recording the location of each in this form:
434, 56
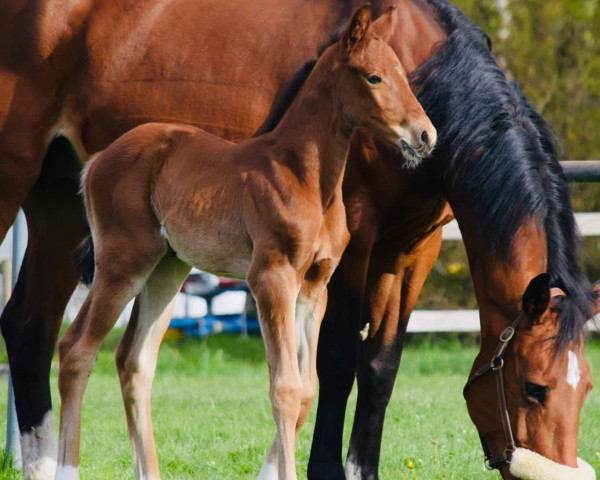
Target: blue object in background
212, 324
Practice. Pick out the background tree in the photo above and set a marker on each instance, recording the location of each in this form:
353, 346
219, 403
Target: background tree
552, 49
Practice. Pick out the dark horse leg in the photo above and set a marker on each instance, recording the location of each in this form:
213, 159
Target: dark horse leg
393, 286
32, 318
337, 356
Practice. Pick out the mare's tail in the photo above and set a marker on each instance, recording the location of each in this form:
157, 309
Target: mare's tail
85, 264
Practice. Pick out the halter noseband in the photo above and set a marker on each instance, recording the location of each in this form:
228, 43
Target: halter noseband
496, 365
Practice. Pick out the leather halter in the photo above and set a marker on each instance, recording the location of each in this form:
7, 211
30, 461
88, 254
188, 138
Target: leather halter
496, 365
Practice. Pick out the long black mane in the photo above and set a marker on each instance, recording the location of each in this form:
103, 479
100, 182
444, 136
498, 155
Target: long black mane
503, 157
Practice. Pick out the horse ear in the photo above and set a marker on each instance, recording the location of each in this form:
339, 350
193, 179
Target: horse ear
537, 296
384, 26
355, 33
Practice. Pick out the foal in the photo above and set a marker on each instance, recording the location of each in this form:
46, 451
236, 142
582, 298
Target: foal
164, 197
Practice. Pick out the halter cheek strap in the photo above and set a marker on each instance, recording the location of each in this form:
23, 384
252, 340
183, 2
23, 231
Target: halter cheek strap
496, 365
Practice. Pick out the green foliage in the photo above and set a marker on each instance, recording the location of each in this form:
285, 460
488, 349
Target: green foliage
552, 48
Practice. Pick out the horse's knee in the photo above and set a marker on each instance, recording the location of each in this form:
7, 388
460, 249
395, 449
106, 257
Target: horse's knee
132, 374
29, 342
286, 397
336, 369
376, 382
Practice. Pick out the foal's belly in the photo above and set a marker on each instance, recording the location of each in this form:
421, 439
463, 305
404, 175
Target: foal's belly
218, 247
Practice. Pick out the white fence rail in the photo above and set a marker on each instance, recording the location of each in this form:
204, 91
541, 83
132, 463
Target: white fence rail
468, 320
587, 222
457, 321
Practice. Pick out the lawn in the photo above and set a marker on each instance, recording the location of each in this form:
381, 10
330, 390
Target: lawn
212, 417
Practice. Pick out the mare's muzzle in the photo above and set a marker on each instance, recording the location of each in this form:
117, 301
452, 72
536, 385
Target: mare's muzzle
528, 465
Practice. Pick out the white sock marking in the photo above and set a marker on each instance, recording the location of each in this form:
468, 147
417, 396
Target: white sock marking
268, 472
573, 375
39, 450
67, 472
352, 470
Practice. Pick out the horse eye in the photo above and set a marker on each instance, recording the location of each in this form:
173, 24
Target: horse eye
537, 393
373, 79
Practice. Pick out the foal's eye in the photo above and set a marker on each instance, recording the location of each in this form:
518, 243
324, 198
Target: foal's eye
373, 79
536, 393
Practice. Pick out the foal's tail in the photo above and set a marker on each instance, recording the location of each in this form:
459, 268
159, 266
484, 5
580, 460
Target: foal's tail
85, 264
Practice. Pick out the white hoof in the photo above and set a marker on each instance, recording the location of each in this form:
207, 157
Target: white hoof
67, 472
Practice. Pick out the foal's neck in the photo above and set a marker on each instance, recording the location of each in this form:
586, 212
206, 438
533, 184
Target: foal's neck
314, 134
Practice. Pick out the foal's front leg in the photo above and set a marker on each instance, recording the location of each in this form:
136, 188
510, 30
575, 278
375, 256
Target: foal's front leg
275, 286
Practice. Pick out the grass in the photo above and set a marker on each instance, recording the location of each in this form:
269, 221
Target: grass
212, 417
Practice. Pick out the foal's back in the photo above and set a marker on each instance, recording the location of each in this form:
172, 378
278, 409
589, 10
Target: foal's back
184, 186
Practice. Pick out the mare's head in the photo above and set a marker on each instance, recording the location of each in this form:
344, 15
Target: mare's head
544, 382
497, 160
372, 89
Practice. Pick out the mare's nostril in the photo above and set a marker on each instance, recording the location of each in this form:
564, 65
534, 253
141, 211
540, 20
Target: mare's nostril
424, 138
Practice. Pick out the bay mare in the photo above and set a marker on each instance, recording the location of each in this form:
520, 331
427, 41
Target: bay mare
75, 75
165, 197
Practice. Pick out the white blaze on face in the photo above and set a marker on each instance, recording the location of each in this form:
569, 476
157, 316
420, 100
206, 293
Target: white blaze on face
573, 375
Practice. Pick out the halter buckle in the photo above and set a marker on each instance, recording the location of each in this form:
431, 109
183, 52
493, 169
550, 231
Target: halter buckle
497, 366
507, 335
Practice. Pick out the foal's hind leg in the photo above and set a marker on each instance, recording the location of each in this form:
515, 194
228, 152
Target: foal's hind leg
114, 285
137, 354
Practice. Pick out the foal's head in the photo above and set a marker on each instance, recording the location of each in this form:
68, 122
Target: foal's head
372, 90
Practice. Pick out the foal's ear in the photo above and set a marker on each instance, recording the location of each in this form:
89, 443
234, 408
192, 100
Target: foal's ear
536, 298
355, 33
383, 27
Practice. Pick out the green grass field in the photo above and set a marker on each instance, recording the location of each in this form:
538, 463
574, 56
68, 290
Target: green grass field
212, 417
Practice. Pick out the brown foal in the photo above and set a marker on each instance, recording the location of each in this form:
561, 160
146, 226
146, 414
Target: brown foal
163, 197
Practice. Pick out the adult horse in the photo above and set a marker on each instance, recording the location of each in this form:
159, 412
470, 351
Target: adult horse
497, 165
75, 75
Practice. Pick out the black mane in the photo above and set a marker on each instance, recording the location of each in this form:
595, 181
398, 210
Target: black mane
503, 157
